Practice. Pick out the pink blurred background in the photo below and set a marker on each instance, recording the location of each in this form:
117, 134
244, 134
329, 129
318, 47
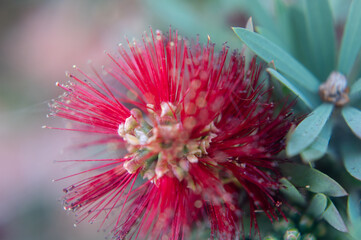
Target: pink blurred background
39, 40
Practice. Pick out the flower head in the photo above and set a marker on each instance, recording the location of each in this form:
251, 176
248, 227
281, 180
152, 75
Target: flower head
199, 133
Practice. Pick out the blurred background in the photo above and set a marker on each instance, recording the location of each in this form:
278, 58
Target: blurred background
39, 41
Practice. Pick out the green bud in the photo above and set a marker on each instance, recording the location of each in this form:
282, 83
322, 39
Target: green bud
292, 234
305, 223
321, 229
282, 225
293, 213
270, 237
309, 236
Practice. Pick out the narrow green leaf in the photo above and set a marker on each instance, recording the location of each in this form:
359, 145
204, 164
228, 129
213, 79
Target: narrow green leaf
269, 51
354, 207
307, 131
333, 217
351, 154
282, 15
271, 36
352, 117
280, 35
291, 192
355, 72
317, 205
319, 147
351, 44
321, 33
300, 41
355, 90
312, 179
300, 92
355, 231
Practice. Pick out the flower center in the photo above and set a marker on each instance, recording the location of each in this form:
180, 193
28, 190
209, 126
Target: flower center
164, 146
335, 89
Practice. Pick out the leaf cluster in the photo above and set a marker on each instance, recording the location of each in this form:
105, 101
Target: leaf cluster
300, 43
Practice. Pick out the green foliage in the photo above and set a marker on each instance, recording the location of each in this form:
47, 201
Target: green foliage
319, 146
333, 217
311, 51
291, 192
351, 44
305, 96
299, 44
355, 93
317, 206
312, 179
355, 90
311, 222
354, 207
283, 61
353, 119
351, 153
321, 34
308, 130
354, 214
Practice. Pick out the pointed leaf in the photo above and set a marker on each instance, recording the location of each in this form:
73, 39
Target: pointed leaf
354, 207
319, 147
283, 61
312, 179
261, 15
321, 33
307, 131
247, 53
333, 217
353, 119
317, 205
351, 154
351, 44
291, 192
355, 90
300, 92
249, 25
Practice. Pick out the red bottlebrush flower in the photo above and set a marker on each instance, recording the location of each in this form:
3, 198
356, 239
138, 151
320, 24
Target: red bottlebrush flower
198, 133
